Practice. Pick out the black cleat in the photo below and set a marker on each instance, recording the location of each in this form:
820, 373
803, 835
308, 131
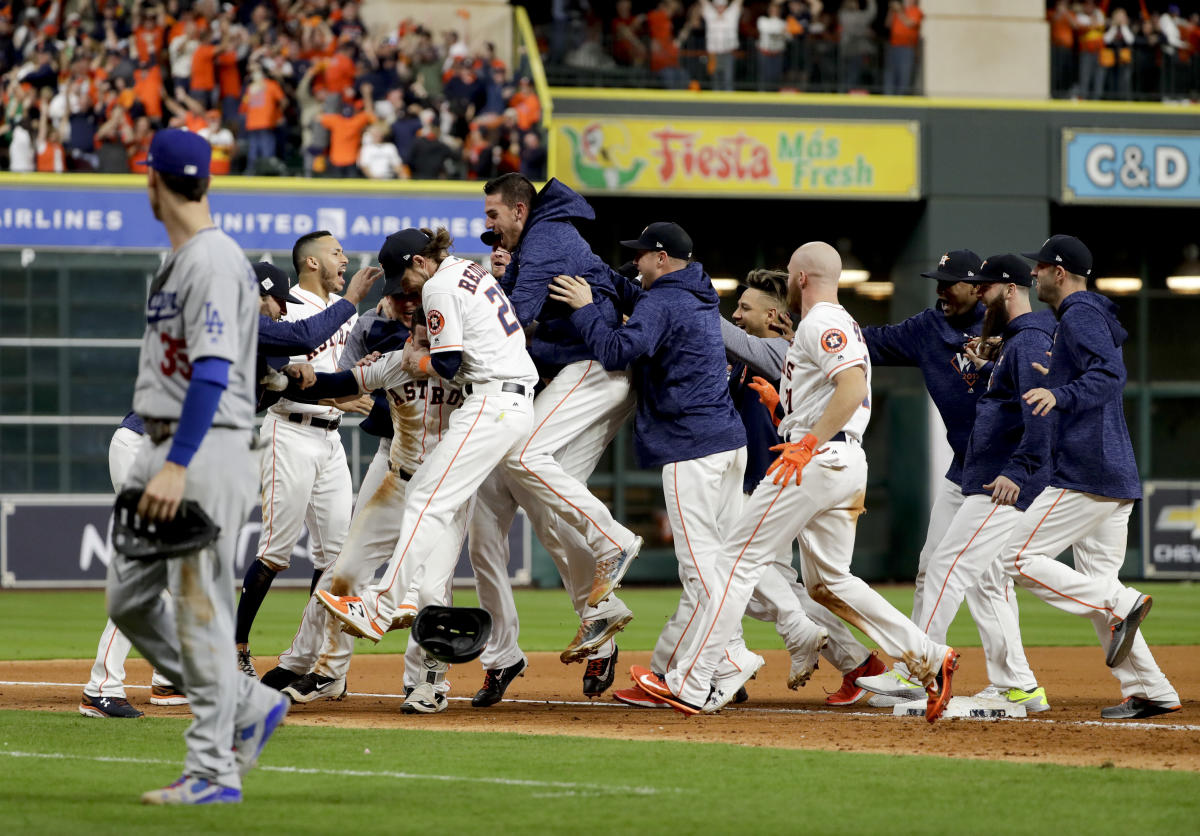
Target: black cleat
1124, 633
279, 678
496, 682
598, 677
741, 696
1136, 708
313, 686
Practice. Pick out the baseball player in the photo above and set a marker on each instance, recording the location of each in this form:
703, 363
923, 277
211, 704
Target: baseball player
195, 394
1002, 475
933, 341
304, 474
104, 694
1093, 480
756, 343
672, 343
817, 484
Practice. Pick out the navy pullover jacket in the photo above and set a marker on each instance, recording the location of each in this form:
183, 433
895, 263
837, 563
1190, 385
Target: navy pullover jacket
278, 341
551, 245
1092, 452
934, 344
672, 342
754, 357
1007, 439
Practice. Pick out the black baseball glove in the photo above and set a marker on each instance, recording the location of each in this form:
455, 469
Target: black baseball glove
139, 539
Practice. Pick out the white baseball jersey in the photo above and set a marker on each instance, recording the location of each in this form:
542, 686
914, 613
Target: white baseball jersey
827, 341
467, 311
323, 358
421, 409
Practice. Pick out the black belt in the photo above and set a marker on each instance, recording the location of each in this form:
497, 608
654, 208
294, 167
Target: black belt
838, 436
159, 430
319, 423
516, 388
399, 471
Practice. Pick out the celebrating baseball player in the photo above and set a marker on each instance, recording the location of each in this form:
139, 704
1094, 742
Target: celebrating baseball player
817, 485
1093, 481
195, 394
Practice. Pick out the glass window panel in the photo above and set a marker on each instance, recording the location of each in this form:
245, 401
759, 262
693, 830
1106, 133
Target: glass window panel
1175, 442
1174, 349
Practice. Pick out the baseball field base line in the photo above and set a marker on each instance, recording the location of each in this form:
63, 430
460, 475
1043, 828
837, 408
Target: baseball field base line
1123, 724
966, 707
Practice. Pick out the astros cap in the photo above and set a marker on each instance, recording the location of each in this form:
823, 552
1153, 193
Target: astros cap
955, 266
1005, 268
395, 256
273, 282
179, 152
663, 236
1065, 250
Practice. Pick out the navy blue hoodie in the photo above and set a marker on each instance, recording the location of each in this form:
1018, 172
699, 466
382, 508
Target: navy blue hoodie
1092, 452
551, 245
672, 342
1007, 439
934, 344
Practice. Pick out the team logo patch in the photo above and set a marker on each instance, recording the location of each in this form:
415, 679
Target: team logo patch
833, 340
436, 321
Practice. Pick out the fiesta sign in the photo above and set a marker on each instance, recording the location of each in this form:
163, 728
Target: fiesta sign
764, 158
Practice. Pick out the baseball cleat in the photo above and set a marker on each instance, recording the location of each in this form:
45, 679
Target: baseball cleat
496, 682
726, 690
610, 571
882, 701
424, 700
940, 689
279, 677
189, 790
245, 664
107, 707
167, 695
593, 633
639, 698
850, 693
653, 684
1034, 701
1138, 708
599, 675
405, 615
891, 683
248, 742
804, 660
741, 696
1124, 633
351, 611
313, 686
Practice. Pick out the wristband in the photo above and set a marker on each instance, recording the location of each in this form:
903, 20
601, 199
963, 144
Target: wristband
425, 364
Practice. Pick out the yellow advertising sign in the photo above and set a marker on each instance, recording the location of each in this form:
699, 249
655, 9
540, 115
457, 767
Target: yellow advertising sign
760, 158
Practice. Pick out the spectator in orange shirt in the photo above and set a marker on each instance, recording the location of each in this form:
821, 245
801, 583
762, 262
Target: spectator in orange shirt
1089, 30
664, 46
525, 102
222, 142
149, 34
904, 27
147, 90
50, 156
339, 70
140, 147
203, 82
263, 106
229, 80
1062, 49
345, 135
627, 43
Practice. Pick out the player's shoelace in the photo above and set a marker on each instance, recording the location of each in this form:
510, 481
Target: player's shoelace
595, 668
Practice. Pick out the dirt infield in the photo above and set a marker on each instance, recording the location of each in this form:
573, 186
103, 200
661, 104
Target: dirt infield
548, 700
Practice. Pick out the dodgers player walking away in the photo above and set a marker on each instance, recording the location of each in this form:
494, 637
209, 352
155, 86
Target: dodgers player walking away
303, 470
195, 394
104, 694
825, 393
1093, 481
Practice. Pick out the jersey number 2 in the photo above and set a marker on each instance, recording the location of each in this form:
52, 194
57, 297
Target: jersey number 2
495, 294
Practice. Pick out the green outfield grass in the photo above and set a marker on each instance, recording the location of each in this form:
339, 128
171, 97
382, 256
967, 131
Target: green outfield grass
68, 774
70, 621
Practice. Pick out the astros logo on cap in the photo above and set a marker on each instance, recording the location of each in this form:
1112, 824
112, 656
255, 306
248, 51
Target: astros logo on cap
942, 261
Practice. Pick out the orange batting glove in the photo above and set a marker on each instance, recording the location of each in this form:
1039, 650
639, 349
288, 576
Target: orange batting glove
766, 395
793, 459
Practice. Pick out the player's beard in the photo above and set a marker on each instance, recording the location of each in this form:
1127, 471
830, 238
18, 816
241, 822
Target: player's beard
995, 319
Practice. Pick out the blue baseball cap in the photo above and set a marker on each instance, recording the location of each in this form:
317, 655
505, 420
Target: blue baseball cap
179, 152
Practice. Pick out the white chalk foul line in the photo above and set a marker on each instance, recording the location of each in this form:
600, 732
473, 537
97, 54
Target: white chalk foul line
566, 787
1108, 724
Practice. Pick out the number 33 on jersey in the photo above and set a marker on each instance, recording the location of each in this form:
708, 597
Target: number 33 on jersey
467, 311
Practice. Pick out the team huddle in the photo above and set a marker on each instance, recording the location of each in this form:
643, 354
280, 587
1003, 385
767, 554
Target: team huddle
497, 388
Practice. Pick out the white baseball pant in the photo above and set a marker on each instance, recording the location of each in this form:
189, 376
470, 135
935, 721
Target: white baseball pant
966, 559
587, 432
827, 504
305, 479
1096, 529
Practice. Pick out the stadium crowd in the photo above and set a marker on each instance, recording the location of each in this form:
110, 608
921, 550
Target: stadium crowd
276, 87
1112, 49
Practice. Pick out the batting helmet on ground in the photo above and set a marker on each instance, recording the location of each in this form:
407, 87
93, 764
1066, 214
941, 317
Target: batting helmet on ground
452, 634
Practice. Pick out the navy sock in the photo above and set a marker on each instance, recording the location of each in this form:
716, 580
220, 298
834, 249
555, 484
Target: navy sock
316, 579
254, 589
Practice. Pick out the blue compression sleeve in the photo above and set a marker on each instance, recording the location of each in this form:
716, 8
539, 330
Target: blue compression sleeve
210, 376
446, 363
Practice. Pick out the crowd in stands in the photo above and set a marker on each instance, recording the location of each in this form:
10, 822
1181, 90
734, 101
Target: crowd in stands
276, 86
1118, 49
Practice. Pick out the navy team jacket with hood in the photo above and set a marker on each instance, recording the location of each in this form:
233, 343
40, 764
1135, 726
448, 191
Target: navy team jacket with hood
672, 342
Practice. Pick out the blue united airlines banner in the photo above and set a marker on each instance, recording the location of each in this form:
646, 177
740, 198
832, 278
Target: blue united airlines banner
86, 212
1131, 167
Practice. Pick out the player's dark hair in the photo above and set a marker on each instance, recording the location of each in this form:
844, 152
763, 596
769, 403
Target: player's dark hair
439, 244
512, 188
189, 188
300, 248
771, 282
